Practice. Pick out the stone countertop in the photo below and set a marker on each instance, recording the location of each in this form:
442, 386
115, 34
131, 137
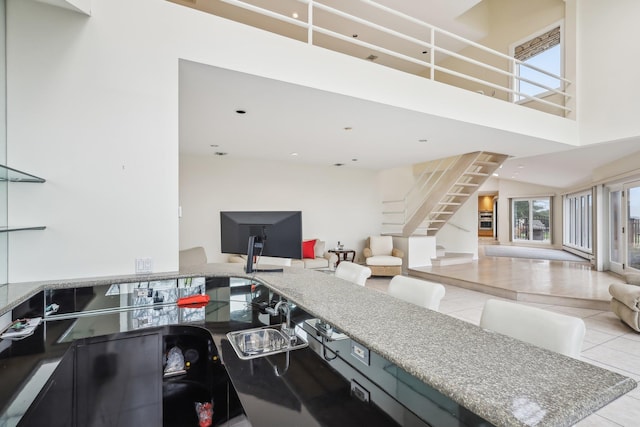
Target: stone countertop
503, 380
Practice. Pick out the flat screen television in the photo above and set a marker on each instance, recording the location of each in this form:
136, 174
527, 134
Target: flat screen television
256, 233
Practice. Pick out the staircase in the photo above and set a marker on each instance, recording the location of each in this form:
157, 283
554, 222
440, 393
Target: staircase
450, 258
440, 189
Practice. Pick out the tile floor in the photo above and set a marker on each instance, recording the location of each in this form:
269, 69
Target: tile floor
608, 343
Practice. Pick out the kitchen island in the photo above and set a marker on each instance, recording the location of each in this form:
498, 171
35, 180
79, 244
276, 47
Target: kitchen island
502, 380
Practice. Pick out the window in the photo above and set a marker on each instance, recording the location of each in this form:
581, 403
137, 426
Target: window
542, 51
531, 220
578, 221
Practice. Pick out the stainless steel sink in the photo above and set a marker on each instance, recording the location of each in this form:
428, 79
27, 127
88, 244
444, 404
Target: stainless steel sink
260, 342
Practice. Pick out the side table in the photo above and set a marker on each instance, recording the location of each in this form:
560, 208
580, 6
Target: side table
344, 255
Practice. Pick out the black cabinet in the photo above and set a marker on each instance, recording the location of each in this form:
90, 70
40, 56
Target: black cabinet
118, 380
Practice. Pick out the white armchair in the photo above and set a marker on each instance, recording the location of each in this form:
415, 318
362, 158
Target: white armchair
625, 300
382, 258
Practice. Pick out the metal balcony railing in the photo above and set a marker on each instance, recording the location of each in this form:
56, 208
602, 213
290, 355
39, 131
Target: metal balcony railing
367, 29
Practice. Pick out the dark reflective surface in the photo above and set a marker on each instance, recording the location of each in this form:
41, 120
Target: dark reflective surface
122, 380
320, 385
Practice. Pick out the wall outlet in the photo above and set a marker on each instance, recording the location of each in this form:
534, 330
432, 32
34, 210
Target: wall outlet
360, 352
144, 265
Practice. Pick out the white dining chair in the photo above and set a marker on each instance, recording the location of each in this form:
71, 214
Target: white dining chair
553, 331
420, 292
354, 273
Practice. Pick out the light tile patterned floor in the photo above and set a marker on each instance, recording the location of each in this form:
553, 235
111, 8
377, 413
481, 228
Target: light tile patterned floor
608, 343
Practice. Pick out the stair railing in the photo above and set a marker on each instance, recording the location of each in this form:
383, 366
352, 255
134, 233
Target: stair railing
420, 191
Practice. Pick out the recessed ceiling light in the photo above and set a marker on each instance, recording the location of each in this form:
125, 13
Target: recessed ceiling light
423, 140
214, 145
354, 160
294, 154
338, 164
294, 15
355, 36
495, 174
371, 58
424, 52
348, 128
220, 153
241, 112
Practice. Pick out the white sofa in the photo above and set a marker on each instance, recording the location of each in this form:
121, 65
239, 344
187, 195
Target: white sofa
321, 259
263, 260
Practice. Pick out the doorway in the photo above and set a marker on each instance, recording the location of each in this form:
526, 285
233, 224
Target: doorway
624, 227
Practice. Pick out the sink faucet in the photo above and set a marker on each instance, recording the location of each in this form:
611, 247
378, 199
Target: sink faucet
283, 307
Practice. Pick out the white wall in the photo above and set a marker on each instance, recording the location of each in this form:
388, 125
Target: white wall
460, 233
337, 203
92, 107
628, 166
608, 60
509, 22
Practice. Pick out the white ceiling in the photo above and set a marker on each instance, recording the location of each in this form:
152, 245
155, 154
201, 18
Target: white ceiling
283, 118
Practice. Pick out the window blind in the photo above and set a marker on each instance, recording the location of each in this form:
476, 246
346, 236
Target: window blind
537, 44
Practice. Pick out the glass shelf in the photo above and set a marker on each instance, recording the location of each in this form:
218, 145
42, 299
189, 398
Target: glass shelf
7, 229
14, 175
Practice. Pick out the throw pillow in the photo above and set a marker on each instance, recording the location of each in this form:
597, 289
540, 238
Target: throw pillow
308, 249
319, 248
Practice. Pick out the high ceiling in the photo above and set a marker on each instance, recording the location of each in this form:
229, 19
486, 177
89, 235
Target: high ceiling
325, 128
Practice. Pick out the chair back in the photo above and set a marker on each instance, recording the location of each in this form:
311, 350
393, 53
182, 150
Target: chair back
354, 273
192, 257
553, 331
381, 245
420, 292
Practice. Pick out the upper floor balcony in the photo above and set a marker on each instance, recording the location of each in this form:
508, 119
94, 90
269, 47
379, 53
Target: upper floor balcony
377, 33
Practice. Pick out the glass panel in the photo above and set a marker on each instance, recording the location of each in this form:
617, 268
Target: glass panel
540, 220
14, 175
615, 220
4, 275
633, 229
578, 221
521, 220
549, 60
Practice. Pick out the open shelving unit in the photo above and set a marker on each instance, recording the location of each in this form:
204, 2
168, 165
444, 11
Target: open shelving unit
14, 175
8, 174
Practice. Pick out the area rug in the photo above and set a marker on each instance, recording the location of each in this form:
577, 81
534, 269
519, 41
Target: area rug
532, 253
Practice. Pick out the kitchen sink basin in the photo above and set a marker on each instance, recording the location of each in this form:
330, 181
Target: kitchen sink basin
260, 342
